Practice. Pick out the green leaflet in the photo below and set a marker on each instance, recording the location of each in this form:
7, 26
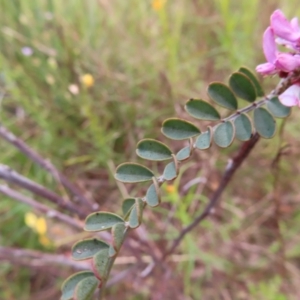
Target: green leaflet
153, 150
243, 127
222, 95
69, 285
224, 134
87, 248
264, 122
178, 129
85, 288
100, 221
242, 86
132, 172
202, 110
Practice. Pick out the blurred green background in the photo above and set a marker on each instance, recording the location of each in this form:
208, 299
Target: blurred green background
83, 81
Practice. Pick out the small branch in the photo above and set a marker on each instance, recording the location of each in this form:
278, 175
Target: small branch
46, 164
12, 176
52, 213
34, 258
227, 176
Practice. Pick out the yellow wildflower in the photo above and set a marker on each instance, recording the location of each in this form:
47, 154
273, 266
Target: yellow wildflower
30, 219
87, 80
39, 225
171, 189
158, 5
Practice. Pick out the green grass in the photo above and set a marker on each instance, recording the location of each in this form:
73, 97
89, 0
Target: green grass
146, 64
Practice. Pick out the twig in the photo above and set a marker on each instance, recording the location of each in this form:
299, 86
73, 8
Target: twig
229, 172
12, 176
35, 258
52, 213
46, 164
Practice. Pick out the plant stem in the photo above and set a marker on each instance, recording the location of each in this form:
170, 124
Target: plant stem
44, 163
102, 291
38, 259
12, 176
111, 263
40, 207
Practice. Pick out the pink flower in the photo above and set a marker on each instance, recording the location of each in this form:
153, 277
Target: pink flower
288, 31
291, 96
27, 51
276, 61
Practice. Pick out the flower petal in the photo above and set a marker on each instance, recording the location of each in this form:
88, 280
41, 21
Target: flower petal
288, 100
287, 62
269, 45
290, 97
283, 28
266, 69
294, 24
